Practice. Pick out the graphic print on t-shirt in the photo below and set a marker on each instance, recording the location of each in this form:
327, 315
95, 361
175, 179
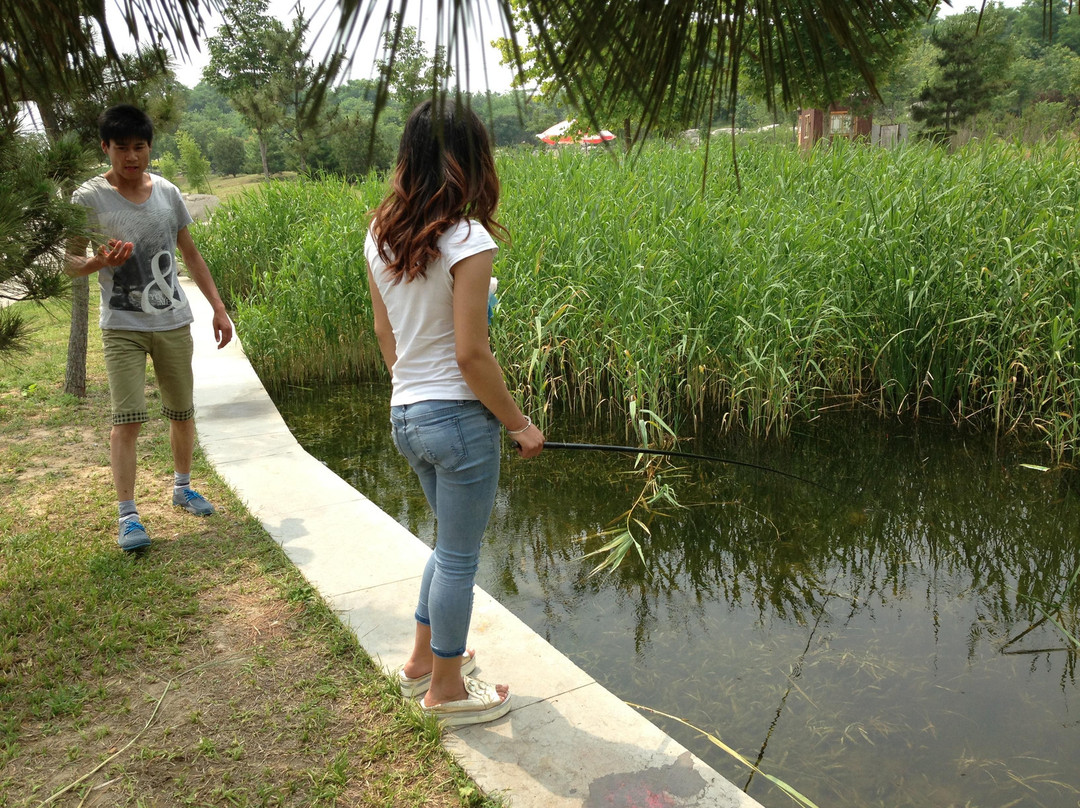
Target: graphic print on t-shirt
147, 282
132, 291
144, 294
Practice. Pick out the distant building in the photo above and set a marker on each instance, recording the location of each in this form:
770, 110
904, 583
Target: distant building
836, 121
888, 135
810, 127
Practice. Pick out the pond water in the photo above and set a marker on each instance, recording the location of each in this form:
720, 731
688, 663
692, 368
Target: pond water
878, 644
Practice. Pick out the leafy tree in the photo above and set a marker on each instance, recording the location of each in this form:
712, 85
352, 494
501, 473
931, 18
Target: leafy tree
406, 70
1053, 76
900, 86
358, 145
166, 166
356, 142
304, 120
36, 175
227, 154
242, 69
265, 72
702, 40
204, 100
972, 63
195, 166
1047, 47
1056, 22
217, 128
706, 42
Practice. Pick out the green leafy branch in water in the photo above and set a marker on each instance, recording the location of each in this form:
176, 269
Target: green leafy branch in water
624, 534
1051, 613
795, 795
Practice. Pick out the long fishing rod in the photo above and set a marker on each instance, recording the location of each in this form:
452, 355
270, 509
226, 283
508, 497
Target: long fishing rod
635, 450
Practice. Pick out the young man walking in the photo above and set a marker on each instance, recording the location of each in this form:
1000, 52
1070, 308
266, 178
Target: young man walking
138, 221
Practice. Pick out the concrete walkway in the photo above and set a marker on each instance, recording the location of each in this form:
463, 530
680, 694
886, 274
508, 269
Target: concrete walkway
566, 742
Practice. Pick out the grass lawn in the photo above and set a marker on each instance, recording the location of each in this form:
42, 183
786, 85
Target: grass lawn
224, 187
203, 672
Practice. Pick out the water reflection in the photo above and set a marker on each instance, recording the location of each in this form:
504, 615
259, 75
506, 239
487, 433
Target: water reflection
877, 646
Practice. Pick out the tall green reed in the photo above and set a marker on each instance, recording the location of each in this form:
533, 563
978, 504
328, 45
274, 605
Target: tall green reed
251, 236
911, 281
293, 258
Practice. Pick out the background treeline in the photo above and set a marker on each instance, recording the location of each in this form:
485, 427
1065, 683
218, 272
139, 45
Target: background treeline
1012, 72
347, 149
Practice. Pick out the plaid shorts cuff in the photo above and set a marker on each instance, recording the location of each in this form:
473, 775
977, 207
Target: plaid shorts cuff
130, 418
176, 415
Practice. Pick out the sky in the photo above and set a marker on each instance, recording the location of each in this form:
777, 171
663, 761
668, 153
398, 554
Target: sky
323, 15
962, 5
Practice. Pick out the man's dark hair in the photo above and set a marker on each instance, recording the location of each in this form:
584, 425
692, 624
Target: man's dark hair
125, 122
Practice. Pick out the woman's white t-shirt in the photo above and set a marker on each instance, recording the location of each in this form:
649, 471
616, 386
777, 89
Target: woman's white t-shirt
421, 314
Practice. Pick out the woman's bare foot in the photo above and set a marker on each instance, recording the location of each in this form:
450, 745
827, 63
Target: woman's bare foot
478, 702
417, 667
444, 695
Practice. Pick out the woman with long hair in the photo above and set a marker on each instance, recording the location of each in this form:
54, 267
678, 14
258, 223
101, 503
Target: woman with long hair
429, 250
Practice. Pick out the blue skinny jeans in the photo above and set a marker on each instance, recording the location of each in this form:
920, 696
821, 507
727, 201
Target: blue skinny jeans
454, 448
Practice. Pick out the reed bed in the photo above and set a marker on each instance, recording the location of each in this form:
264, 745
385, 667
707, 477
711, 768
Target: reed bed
289, 260
913, 281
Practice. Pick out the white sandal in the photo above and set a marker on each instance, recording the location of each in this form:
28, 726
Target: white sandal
482, 705
411, 688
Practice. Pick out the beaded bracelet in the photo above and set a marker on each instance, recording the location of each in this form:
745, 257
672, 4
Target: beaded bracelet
528, 423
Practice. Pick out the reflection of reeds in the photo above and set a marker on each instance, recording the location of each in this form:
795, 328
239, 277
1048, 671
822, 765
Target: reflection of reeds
1056, 613
911, 577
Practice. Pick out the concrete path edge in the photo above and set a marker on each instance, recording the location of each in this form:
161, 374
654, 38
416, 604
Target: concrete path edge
567, 741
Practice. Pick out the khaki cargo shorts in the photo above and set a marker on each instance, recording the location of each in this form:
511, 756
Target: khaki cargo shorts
125, 363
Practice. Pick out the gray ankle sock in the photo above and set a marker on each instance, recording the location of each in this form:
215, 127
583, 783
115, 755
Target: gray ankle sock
127, 508
181, 480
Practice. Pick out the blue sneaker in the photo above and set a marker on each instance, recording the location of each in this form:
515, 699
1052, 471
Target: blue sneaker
191, 501
132, 534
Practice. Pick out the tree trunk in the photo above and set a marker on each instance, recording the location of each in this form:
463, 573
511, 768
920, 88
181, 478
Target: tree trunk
262, 153
75, 376
49, 122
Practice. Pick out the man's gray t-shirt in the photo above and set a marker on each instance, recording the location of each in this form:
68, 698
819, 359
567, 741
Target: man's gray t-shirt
143, 293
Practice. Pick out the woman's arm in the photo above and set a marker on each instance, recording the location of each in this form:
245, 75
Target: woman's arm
477, 364
384, 332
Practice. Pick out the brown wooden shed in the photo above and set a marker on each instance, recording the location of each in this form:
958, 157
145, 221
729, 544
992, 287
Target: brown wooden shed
834, 122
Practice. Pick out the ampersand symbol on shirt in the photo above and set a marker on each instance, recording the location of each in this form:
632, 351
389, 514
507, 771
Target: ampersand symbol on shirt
160, 294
